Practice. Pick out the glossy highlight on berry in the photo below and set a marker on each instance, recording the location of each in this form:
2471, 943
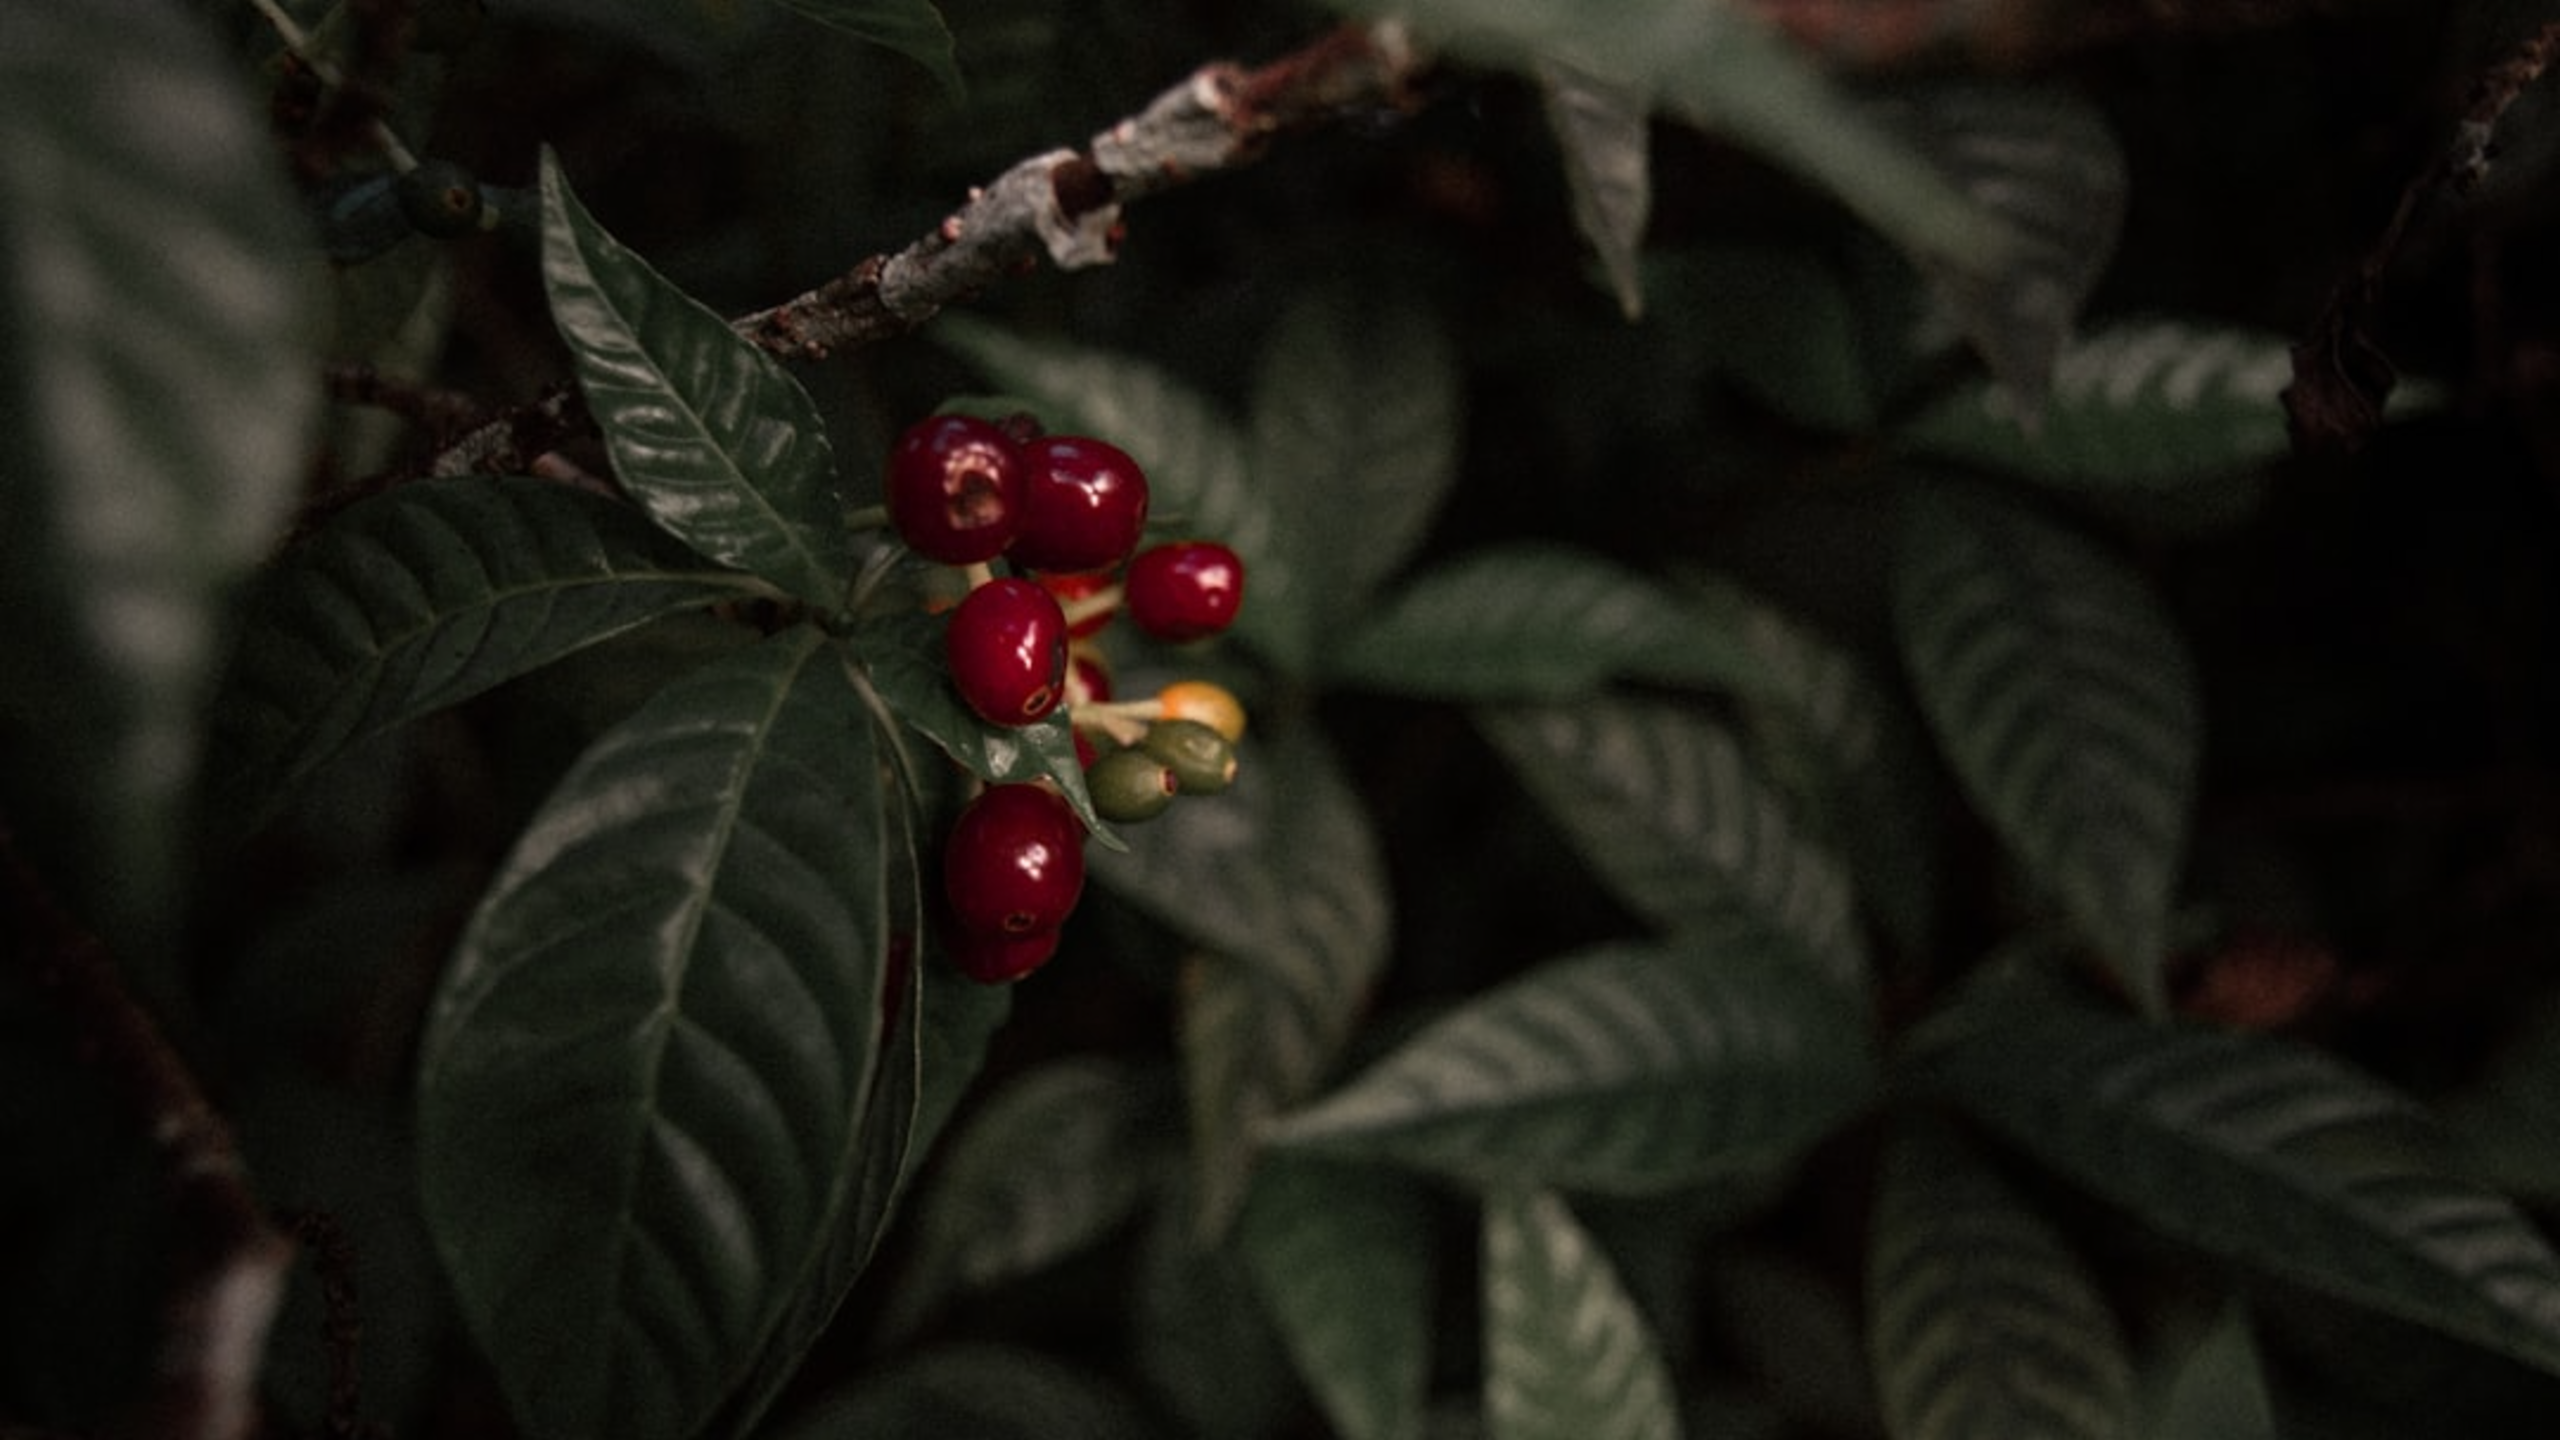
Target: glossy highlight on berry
1006, 646
1187, 590
1014, 864
1084, 504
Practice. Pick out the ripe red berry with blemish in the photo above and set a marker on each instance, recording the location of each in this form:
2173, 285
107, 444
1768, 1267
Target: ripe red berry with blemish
955, 489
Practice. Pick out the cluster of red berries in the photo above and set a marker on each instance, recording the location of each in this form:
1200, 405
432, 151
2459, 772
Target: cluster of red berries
1067, 515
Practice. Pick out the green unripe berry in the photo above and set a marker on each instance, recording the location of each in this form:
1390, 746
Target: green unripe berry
1203, 762
441, 198
1128, 786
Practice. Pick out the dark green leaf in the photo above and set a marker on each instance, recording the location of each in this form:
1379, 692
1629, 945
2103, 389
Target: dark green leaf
707, 431
913, 28
1281, 882
1567, 1355
424, 597
1342, 1256
1354, 445
1625, 1069
1048, 1165
2267, 1154
2216, 1389
2066, 704
904, 657
1203, 1342
643, 1079
159, 388
2044, 163
1779, 324
1532, 621
1675, 818
1608, 166
2151, 410
1724, 68
1983, 1322
981, 1392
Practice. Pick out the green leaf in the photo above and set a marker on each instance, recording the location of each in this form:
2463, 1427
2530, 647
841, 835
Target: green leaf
1280, 882
2066, 704
1726, 70
913, 28
1608, 167
644, 1077
1342, 1256
1624, 1069
1201, 1338
2043, 161
2217, 1389
1567, 1355
1048, 1165
708, 432
983, 1392
160, 384
2267, 1154
426, 596
1356, 412
1676, 819
1983, 1322
904, 657
1530, 620
2158, 409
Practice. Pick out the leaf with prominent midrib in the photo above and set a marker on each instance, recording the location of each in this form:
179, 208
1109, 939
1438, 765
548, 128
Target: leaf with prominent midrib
1983, 1323
422, 598
1342, 1257
158, 385
1567, 1355
1626, 1069
642, 1078
2265, 1153
2066, 704
707, 431
1674, 816
2158, 408
2043, 162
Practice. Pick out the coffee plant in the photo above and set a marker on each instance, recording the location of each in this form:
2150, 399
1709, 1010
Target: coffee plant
1528, 719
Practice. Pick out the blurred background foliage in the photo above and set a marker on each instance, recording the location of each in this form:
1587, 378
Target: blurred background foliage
2379, 818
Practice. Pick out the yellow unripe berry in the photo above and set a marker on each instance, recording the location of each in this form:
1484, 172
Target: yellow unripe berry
1212, 705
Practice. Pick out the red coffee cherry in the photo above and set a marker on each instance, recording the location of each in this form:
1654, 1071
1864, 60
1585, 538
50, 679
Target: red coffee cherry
1006, 644
1000, 959
1084, 504
955, 489
1014, 865
1184, 591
